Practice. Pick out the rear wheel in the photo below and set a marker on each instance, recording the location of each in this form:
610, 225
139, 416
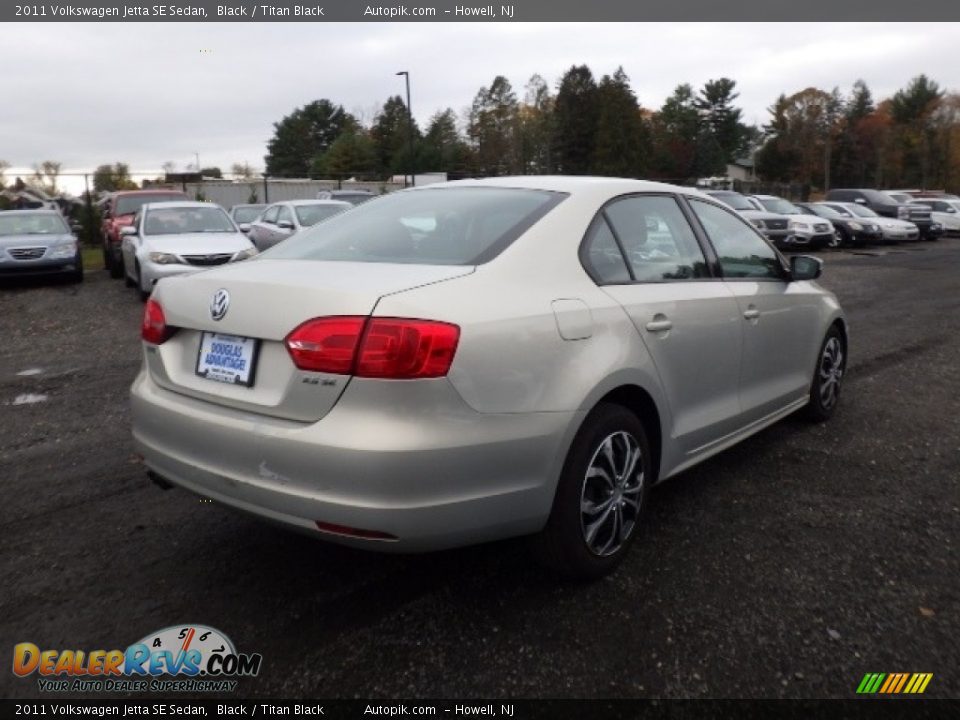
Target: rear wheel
144, 294
827, 377
601, 496
115, 265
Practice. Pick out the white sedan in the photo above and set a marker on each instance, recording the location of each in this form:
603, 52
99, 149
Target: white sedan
283, 219
944, 211
177, 238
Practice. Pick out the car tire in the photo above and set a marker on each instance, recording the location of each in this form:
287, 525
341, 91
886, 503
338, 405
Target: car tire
107, 260
602, 478
77, 275
116, 265
144, 294
827, 377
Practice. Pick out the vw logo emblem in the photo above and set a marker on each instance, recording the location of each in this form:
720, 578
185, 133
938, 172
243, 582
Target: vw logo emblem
220, 304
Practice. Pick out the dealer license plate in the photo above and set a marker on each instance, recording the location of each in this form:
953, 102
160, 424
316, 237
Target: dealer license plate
227, 358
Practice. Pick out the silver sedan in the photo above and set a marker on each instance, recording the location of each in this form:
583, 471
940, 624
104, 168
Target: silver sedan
280, 221
483, 359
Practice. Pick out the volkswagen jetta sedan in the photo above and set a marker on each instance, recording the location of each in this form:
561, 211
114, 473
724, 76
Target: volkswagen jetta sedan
483, 359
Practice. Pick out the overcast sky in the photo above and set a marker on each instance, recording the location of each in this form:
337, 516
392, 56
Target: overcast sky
88, 93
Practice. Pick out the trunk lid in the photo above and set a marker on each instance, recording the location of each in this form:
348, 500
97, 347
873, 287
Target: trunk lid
267, 300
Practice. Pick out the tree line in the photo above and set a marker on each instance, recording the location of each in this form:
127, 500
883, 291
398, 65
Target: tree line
597, 126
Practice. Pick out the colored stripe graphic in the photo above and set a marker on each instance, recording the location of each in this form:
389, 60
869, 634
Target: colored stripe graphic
894, 683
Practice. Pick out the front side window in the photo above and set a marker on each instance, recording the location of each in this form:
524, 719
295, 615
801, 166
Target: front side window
284, 215
270, 216
657, 239
741, 251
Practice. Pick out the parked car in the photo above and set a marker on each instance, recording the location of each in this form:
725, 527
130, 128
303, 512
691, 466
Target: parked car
943, 211
528, 366
893, 230
117, 213
354, 197
38, 242
884, 205
807, 230
179, 238
283, 219
243, 215
774, 226
851, 231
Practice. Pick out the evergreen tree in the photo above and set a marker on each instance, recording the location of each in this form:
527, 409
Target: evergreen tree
715, 103
444, 149
305, 135
622, 143
676, 132
391, 136
575, 122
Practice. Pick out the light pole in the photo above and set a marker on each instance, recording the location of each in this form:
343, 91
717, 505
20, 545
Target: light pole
406, 75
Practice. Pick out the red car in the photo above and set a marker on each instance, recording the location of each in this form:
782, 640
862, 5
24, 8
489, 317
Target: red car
118, 212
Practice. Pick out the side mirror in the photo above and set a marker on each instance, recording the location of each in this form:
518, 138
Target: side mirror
128, 230
805, 267
244, 227
951, 209
860, 201
76, 228
285, 225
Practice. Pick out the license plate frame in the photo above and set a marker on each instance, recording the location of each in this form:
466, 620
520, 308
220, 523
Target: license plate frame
250, 351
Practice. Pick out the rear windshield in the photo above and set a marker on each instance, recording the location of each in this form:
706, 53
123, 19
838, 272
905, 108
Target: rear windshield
312, 214
131, 203
448, 226
29, 224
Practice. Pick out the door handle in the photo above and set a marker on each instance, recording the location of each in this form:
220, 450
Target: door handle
659, 325
751, 314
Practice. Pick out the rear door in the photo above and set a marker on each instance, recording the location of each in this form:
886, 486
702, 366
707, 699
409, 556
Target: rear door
780, 319
687, 319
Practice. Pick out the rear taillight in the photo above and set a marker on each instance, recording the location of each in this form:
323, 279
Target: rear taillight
389, 348
396, 348
326, 344
154, 328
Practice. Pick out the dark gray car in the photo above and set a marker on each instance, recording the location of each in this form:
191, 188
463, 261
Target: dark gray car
38, 242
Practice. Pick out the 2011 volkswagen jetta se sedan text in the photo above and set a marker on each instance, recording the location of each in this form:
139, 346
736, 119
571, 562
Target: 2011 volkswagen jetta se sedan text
483, 359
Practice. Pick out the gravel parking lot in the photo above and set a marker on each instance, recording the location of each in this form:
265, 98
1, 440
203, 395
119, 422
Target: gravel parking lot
788, 566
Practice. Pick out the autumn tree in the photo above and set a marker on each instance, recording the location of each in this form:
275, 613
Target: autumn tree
536, 127
493, 129
109, 178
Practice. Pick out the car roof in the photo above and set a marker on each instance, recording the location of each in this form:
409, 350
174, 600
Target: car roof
565, 183
180, 204
31, 211
152, 191
313, 202
768, 197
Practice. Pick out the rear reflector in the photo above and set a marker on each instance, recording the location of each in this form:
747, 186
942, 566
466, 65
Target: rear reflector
387, 348
354, 532
154, 328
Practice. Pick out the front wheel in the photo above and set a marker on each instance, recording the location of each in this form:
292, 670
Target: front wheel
601, 496
115, 265
144, 294
827, 377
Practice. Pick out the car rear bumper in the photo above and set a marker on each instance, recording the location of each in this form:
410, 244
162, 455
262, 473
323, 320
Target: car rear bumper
429, 475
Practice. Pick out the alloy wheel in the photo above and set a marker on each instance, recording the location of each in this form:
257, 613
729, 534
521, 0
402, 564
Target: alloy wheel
831, 372
611, 494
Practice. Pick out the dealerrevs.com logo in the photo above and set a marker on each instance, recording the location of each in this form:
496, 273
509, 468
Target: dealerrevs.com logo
180, 658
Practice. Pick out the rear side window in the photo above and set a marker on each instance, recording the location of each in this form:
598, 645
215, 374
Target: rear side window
602, 257
657, 239
741, 251
442, 226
